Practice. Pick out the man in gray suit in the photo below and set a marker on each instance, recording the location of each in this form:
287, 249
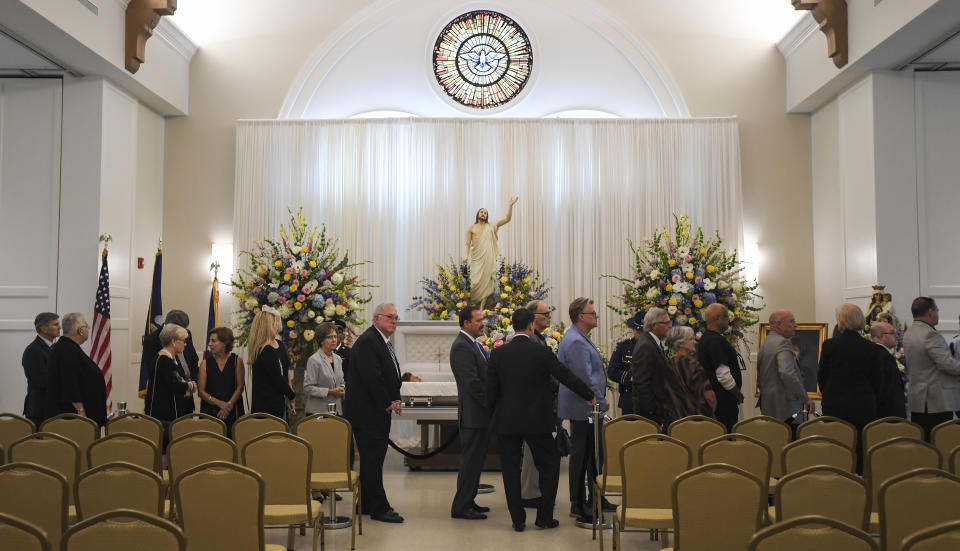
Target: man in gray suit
782, 395
469, 367
933, 392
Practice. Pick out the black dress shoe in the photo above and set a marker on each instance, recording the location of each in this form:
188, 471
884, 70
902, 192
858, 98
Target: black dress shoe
532, 503
518, 526
547, 524
579, 512
607, 506
480, 509
469, 514
388, 516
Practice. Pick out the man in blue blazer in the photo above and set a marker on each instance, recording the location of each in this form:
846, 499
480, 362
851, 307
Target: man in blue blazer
372, 394
579, 354
469, 365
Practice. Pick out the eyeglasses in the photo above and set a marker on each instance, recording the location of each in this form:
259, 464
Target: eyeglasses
588, 313
393, 317
668, 322
545, 314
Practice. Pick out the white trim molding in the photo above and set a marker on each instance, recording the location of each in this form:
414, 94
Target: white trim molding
169, 32
798, 35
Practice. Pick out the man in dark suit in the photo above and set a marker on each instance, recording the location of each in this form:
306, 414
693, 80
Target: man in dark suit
520, 397
469, 366
342, 349
890, 397
372, 394
720, 361
34, 362
188, 361
74, 382
648, 364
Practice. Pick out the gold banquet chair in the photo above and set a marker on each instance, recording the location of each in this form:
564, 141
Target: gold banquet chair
13, 428
916, 500
698, 521
283, 462
953, 461
822, 491
330, 438
813, 451
82, 430
196, 422
253, 425
140, 424
37, 495
118, 485
886, 428
21, 535
774, 433
616, 433
197, 448
896, 456
53, 451
812, 532
741, 451
124, 529
648, 466
220, 506
945, 437
126, 447
940, 537
694, 430
831, 427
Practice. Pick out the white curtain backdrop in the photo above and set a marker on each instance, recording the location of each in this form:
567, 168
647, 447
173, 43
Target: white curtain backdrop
402, 192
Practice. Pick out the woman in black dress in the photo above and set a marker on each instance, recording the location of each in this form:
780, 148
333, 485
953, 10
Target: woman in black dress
167, 382
221, 378
270, 384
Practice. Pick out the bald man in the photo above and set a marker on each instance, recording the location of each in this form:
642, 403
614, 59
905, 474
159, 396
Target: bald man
782, 395
890, 397
721, 363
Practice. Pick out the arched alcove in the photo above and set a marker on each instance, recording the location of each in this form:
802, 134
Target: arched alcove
584, 60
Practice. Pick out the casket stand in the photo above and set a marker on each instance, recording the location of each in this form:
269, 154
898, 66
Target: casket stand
423, 348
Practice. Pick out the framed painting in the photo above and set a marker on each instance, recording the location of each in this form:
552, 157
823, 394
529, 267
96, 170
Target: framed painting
807, 343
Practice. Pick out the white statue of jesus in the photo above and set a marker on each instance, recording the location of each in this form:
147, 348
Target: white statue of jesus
482, 251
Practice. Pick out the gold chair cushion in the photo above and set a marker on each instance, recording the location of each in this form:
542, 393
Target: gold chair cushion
72, 514
332, 481
771, 514
772, 485
639, 517
874, 522
288, 514
274, 547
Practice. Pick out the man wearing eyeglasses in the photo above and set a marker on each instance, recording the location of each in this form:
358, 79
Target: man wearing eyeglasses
648, 364
374, 383
581, 356
890, 398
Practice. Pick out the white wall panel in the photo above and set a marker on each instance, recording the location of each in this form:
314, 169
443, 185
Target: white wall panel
857, 196
827, 219
29, 198
938, 167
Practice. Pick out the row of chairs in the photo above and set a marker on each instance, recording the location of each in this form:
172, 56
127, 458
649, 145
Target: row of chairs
84, 432
329, 455
665, 457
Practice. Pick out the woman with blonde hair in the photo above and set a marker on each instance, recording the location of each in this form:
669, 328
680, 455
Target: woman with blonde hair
270, 384
851, 372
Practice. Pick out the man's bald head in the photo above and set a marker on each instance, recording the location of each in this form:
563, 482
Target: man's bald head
717, 317
783, 322
883, 334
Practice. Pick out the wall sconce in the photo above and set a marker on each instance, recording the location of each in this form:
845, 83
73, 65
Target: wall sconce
751, 261
222, 253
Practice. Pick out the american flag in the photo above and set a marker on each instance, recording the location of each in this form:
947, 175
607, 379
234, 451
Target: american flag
100, 351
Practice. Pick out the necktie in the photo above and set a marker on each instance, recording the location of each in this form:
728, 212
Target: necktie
480, 348
393, 357
183, 364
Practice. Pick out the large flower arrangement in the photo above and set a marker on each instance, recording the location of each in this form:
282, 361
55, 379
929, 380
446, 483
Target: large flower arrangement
444, 296
517, 284
684, 273
305, 277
